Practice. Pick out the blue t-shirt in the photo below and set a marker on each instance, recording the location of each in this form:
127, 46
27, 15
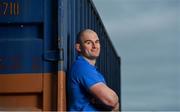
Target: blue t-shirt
81, 77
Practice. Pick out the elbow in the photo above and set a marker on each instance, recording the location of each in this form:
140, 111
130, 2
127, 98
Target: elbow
112, 104
112, 101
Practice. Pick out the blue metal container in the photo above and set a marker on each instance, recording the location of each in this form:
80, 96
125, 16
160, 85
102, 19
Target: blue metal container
37, 40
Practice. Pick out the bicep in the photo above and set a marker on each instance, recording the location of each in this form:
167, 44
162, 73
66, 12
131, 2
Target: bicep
105, 94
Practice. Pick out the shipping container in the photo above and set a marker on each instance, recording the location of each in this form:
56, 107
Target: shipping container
37, 40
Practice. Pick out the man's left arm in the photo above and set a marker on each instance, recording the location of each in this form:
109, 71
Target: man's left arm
105, 95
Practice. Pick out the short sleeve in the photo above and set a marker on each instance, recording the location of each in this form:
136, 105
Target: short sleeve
90, 77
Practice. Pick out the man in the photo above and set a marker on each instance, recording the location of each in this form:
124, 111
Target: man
87, 89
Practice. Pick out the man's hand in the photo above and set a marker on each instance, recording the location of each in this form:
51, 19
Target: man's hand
116, 107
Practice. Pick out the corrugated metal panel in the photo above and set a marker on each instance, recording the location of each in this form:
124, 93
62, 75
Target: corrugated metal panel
86, 16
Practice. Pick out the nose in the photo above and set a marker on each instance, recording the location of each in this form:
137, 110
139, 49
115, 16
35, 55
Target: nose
94, 45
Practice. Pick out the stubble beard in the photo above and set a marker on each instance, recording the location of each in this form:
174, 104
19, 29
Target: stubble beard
91, 56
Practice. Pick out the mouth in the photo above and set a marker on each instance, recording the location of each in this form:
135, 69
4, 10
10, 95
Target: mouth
94, 50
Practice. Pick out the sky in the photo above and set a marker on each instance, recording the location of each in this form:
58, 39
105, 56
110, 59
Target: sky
145, 34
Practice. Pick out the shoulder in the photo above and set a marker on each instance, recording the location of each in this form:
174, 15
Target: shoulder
81, 70
81, 66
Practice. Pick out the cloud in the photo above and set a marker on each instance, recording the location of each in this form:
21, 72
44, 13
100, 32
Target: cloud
151, 21
129, 17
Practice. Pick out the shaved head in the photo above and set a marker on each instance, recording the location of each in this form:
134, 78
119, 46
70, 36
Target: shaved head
81, 34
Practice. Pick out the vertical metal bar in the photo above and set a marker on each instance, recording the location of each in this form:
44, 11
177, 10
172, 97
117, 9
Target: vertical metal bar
89, 15
62, 34
82, 21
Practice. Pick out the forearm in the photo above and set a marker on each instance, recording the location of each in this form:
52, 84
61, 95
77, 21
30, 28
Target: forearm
100, 105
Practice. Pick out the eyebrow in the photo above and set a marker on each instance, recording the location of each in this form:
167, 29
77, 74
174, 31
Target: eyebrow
89, 40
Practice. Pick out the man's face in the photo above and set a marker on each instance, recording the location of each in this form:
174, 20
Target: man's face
90, 45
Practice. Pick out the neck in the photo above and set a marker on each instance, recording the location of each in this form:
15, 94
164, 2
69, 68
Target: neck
90, 61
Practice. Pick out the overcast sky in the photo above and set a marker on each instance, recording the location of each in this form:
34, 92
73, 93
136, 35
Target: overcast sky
145, 34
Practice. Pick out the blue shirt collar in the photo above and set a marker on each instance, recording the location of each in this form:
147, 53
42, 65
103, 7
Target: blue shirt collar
81, 58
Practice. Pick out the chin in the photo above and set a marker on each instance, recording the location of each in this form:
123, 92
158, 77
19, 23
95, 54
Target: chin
95, 56
92, 57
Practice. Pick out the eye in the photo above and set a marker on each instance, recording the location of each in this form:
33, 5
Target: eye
88, 42
97, 41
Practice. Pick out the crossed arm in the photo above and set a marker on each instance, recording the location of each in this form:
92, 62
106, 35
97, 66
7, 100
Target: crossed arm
106, 95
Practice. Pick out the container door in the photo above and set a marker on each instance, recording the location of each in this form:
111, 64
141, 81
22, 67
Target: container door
27, 80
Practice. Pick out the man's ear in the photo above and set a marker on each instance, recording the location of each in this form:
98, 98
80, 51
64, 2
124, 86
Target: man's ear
78, 47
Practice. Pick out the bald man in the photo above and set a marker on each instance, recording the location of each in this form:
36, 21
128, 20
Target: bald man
87, 89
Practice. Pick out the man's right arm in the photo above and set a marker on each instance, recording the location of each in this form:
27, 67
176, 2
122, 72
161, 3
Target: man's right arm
106, 95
